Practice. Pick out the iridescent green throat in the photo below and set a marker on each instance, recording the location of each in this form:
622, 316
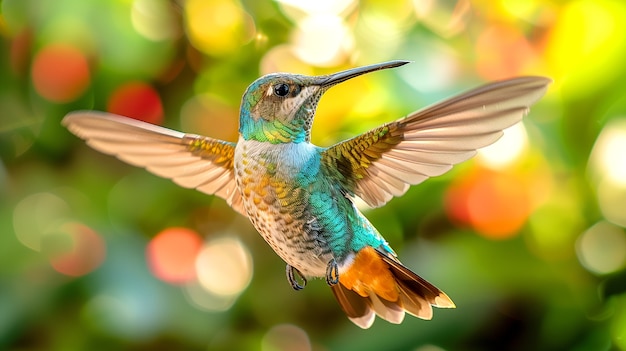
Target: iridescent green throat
275, 132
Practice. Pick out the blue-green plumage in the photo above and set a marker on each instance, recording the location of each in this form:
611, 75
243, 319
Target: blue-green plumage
299, 196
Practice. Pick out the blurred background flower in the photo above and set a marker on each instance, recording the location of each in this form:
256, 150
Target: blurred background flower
528, 238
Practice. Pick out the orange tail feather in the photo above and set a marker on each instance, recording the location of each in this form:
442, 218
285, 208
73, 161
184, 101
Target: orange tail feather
376, 283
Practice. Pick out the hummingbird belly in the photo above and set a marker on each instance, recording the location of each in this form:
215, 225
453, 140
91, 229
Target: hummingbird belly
276, 183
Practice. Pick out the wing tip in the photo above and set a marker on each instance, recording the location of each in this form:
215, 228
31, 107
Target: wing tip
443, 301
79, 114
540, 80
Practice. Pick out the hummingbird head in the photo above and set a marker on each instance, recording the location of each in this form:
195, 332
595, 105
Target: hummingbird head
279, 107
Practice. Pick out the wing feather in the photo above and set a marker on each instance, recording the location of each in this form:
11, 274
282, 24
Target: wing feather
191, 161
429, 142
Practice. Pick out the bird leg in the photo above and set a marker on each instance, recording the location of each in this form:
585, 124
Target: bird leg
332, 273
291, 277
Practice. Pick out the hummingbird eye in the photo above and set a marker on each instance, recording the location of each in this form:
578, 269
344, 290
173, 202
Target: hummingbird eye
281, 89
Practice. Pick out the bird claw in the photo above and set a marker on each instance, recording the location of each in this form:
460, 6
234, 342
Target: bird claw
291, 277
332, 273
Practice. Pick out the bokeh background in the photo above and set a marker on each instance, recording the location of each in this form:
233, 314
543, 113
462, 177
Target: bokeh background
528, 238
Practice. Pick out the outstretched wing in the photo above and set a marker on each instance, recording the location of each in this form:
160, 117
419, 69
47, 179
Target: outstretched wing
191, 161
385, 161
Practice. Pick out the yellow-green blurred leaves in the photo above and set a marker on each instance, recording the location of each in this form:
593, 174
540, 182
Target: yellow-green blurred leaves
154, 19
607, 170
586, 45
218, 27
602, 248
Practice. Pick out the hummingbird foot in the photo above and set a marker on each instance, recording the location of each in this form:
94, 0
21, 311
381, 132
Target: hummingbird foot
292, 272
332, 273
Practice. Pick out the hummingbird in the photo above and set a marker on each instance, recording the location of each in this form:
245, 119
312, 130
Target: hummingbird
301, 197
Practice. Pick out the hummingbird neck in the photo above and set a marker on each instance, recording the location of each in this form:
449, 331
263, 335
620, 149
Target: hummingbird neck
275, 132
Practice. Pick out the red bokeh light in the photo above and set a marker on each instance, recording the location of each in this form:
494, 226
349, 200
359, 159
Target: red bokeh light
171, 254
494, 204
137, 100
60, 73
87, 251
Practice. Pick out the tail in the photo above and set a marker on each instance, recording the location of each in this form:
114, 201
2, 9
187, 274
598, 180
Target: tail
377, 283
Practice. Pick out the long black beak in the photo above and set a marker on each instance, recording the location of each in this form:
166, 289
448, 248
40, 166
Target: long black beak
342, 76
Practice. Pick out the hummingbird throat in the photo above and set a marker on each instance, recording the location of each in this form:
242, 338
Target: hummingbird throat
275, 132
